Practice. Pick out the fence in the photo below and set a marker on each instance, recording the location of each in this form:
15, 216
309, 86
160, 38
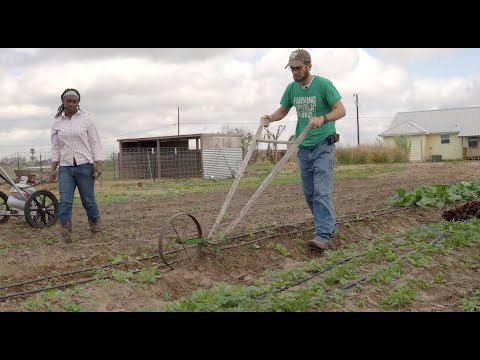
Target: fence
144, 163
41, 163
138, 163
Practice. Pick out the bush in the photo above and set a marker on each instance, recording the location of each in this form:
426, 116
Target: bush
371, 154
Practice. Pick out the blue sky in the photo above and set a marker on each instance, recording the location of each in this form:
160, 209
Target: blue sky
136, 92
460, 62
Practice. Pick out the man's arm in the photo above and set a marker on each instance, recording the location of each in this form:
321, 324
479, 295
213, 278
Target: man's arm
276, 116
337, 113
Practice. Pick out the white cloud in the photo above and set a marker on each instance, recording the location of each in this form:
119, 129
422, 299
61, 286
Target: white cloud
132, 90
407, 55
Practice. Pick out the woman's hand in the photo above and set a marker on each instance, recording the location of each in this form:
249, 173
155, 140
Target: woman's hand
97, 172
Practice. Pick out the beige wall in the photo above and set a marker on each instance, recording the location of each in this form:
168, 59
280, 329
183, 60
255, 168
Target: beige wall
418, 147
424, 146
452, 151
418, 150
389, 140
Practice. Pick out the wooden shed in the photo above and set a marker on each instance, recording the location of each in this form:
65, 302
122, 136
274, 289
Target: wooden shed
181, 156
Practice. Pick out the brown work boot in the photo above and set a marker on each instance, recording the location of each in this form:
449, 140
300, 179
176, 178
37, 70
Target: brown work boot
319, 244
95, 228
66, 231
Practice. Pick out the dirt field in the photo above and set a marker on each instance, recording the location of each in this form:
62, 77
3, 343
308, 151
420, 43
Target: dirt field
132, 230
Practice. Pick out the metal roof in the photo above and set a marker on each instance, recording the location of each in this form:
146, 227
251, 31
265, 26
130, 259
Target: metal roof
177, 137
462, 121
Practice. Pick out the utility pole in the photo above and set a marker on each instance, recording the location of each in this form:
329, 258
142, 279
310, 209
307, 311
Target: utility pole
178, 121
358, 124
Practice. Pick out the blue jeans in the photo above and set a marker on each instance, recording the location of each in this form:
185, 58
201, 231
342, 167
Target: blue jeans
70, 177
316, 170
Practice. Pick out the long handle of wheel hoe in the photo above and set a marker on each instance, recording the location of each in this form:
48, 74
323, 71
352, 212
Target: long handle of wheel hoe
9, 180
267, 180
236, 181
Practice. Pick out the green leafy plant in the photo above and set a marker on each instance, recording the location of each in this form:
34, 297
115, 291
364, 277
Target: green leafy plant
122, 276
118, 258
439, 279
472, 303
148, 275
55, 300
282, 250
50, 241
399, 297
437, 196
419, 284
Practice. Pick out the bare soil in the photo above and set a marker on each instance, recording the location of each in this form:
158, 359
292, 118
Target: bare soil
133, 229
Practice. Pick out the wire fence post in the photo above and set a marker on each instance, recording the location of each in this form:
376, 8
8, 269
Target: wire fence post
113, 157
150, 167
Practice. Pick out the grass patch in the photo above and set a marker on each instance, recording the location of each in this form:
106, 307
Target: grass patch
122, 276
55, 300
367, 171
3, 249
118, 258
50, 241
472, 303
399, 297
387, 275
147, 275
419, 284
282, 250
125, 191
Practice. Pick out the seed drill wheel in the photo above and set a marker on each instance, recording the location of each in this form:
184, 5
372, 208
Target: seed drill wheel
41, 209
181, 241
3, 207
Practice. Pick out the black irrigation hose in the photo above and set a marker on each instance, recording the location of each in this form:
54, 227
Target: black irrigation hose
61, 286
358, 281
370, 213
308, 278
365, 215
300, 231
355, 282
72, 273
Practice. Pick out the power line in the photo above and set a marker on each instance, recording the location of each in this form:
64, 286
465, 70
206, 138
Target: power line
192, 123
136, 132
105, 138
373, 122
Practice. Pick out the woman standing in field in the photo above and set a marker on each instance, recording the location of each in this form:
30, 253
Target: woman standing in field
76, 150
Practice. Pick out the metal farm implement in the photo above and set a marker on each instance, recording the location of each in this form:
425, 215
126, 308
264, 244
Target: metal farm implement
181, 237
40, 208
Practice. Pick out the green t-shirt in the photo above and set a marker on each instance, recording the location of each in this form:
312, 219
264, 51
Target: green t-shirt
314, 101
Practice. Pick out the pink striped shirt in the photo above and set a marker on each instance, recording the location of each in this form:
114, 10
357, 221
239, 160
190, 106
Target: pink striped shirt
77, 138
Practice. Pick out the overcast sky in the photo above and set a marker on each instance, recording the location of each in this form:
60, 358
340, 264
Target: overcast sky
136, 92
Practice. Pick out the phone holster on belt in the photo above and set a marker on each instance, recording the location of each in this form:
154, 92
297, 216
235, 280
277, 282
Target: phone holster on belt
334, 138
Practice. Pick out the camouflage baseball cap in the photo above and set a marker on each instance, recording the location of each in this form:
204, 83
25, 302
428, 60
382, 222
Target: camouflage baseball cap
298, 57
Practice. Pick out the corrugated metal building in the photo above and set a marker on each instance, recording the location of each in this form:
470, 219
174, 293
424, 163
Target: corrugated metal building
214, 156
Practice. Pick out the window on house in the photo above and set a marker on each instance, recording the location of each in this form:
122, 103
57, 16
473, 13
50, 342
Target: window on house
473, 142
445, 139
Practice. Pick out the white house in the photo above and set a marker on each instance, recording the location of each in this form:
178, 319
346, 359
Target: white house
447, 134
